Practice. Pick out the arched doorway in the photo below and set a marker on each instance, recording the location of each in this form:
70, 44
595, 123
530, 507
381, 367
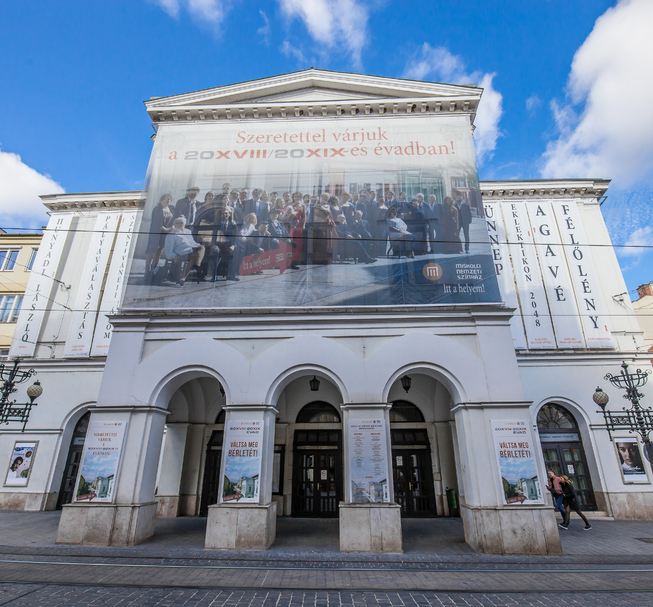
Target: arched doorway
211, 478
72, 461
317, 461
563, 450
412, 466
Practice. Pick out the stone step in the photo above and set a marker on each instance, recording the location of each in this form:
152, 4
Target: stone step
600, 514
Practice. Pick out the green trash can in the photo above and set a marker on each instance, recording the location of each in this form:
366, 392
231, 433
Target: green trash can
452, 502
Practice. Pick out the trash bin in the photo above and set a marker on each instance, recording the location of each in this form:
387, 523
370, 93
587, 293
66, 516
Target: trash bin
452, 502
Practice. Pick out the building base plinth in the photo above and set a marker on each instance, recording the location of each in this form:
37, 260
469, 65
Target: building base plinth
106, 524
522, 530
370, 528
241, 526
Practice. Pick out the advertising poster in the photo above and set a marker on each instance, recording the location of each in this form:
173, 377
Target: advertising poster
368, 471
97, 472
20, 464
630, 460
362, 211
513, 441
242, 466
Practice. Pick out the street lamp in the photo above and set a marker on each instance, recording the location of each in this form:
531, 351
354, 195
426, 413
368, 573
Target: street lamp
636, 419
405, 383
11, 411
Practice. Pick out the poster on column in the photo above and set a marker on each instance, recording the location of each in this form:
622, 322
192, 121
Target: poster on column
242, 466
515, 447
264, 214
368, 448
20, 464
100, 460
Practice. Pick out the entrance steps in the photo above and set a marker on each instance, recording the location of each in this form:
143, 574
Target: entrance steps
594, 514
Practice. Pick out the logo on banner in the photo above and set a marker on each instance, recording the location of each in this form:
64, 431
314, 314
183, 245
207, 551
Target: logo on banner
432, 271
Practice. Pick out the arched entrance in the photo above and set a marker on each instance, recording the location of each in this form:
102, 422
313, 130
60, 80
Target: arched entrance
211, 477
317, 461
412, 466
563, 450
72, 461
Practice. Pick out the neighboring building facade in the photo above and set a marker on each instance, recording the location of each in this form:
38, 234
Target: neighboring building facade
17, 254
313, 393
643, 307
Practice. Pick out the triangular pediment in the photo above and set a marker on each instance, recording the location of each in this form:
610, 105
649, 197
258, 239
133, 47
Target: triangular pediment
314, 86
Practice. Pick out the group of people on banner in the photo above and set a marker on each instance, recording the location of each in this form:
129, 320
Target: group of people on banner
214, 236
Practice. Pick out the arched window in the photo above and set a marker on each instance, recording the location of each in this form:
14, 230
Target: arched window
555, 417
221, 416
403, 411
318, 412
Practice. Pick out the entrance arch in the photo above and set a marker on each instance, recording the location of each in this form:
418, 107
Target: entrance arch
563, 450
73, 461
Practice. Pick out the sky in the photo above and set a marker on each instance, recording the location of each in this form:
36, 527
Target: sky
566, 85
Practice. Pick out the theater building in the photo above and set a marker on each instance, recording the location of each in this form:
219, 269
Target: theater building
191, 368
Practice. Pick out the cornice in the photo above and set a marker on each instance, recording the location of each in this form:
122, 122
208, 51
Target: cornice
544, 188
94, 200
251, 100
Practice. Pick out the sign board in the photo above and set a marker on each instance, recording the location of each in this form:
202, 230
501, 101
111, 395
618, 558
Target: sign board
20, 464
515, 448
224, 178
243, 442
368, 461
100, 461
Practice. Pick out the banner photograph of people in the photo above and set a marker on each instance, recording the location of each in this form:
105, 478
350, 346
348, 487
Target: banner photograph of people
344, 212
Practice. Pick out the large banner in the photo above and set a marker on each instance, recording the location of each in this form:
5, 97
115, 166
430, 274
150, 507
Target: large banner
97, 473
368, 468
515, 448
242, 466
358, 211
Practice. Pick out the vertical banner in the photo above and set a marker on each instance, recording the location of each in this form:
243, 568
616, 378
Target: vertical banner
515, 447
504, 270
97, 472
560, 293
242, 467
41, 285
82, 324
532, 297
368, 459
20, 464
583, 275
113, 286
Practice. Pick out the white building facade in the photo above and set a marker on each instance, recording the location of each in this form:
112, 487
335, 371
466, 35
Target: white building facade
350, 403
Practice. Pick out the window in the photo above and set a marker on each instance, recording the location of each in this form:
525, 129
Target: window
318, 413
458, 182
403, 411
10, 307
4, 354
8, 259
555, 417
32, 257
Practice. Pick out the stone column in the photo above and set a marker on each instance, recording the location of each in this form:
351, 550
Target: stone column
245, 517
490, 525
129, 518
172, 463
370, 521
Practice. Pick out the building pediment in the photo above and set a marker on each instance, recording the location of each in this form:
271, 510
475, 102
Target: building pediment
315, 93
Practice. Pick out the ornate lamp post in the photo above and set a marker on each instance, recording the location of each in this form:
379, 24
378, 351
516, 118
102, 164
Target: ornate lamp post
11, 411
636, 419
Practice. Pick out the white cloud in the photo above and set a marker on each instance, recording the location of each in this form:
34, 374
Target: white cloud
332, 23
533, 103
638, 243
20, 186
264, 31
207, 11
605, 128
292, 51
438, 63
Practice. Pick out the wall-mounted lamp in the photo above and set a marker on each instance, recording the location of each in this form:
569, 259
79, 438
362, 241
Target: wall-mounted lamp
315, 384
405, 382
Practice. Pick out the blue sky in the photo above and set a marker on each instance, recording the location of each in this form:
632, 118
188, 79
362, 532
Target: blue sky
567, 85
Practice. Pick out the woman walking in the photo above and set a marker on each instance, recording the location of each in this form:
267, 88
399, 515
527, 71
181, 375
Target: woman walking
570, 503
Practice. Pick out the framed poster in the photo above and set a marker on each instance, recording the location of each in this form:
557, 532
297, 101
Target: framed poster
100, 460
513, 442
242, 466
20, 464
631, 462
368, 461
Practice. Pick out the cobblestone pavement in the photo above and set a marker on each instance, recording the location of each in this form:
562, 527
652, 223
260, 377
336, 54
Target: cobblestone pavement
70, 596
610, 565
